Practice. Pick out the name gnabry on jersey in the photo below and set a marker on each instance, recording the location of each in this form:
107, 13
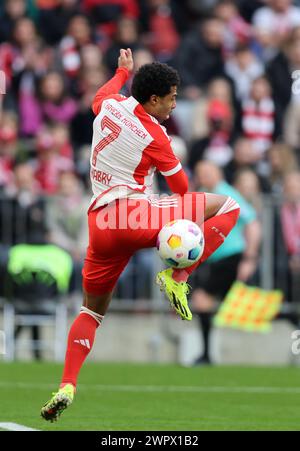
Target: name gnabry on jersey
101, 176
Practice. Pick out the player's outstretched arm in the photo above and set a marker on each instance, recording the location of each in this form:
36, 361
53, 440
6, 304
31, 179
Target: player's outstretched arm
114, 85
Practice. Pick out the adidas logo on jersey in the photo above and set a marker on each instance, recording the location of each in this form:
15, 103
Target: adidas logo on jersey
84, 342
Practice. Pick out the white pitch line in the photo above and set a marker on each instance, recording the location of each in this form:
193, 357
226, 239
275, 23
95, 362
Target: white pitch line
159, 388
15, 427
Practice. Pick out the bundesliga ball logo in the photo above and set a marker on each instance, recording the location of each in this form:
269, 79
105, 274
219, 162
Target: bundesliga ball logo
180, 243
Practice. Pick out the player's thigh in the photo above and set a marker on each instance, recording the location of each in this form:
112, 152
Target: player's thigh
101, 272
195, 206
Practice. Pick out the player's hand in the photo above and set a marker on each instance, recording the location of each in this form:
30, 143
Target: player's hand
125, 59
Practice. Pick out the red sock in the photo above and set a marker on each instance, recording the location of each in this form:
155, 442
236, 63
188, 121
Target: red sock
215, 231
80, 341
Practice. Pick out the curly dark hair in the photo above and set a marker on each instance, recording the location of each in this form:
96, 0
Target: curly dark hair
153, 79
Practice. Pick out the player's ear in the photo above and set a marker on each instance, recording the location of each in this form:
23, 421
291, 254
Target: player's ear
153, 99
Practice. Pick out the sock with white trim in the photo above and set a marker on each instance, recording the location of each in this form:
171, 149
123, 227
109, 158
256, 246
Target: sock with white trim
80, 342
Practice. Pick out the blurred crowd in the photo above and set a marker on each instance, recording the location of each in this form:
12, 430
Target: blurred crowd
238, 108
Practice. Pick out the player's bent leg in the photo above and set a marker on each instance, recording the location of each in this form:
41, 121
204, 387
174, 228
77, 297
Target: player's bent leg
80, 342
221, 215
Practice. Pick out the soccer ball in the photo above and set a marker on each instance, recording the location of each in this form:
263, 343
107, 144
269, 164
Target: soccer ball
180, 243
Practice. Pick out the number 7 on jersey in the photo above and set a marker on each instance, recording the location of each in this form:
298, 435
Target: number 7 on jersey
115, 131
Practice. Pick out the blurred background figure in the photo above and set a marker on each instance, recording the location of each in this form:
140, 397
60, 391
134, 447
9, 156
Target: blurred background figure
199, 57
218, 89
290, 223
66, 222
243, 68
273, 23
126, 35
216, 146
237, 30
162, 38
236, 259
282, 160
54, 156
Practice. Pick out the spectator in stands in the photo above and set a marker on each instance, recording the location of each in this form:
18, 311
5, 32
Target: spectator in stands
162, 37
13, 10
291, 126
248, 185
8, 147
237, 31
217, 145
24, 35
79, 34
82, 122
259, 116
24, 32
290, 223
66, 221
282, 160
273, 24
126, 35
242, 68
244, 156
218, 89
22, 218
279, 72
54, 157
54, 19
106, 13
199, 57
56, 104
91, 57
236, 260
37, 60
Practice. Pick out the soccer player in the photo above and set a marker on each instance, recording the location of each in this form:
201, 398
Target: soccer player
128, 145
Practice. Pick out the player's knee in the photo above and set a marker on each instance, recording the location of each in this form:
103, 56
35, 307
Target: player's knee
231, 209
213, 203
97, 304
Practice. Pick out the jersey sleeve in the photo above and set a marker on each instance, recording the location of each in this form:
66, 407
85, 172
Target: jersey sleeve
111, 88
163, 159
178, 183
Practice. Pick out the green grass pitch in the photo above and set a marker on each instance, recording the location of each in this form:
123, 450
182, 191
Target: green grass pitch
129, 397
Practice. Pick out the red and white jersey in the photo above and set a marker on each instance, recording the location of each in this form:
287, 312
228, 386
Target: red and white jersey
128, 146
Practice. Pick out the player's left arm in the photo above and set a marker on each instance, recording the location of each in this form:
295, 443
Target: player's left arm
113, 86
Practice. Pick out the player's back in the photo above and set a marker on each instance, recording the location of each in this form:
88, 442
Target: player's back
120, 163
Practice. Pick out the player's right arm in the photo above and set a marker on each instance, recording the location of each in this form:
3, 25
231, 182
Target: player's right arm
113, 86
178, 183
